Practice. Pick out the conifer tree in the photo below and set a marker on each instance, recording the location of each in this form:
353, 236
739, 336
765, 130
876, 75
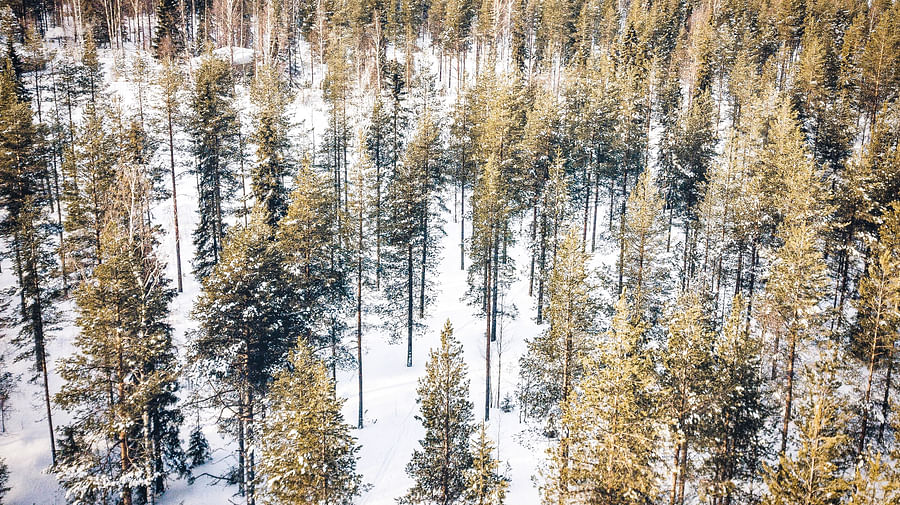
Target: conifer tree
687, 363
311, 244
4, 478
24, 199
198, 452
641, 272
170, 81
213, 129
879, 311
307, 454
490, 213
88, 188
797, 278
608, 437
412, 231
553, 367
441, 463
168, 39
555, 212
360, 213
485, 485
694, 151
739, 409
248, 322
273, 160
121, 383
814, 476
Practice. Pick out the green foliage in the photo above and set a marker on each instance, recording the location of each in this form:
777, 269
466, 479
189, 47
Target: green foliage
121, 383
213, 131
485, 485
440, 465
273, 159
553, 366
609, 434
813, 475
307, 452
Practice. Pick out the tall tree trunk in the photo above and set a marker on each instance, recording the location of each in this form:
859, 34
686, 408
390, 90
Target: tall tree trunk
174, 200
790, 392
885, 401
359, 359
409, 311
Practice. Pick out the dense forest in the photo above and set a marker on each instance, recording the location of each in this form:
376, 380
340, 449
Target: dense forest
694, 205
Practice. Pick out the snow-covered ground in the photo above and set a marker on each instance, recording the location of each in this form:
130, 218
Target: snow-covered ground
391, 432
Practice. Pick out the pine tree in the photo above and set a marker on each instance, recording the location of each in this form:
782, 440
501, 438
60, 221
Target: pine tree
273, 161
641, 271
490, 215
411, 232
813, 476
360, 216
797, 279
129, 432
307, 454
89, 187
170, 81
248, 322
879, 311
608, 438
439, 467
213, 129
24, 200
485, 485
687, 368
318, 265
555, 211
694, 151
552, 367
739, 408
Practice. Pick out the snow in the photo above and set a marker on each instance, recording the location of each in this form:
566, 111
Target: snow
237, 55
391, 432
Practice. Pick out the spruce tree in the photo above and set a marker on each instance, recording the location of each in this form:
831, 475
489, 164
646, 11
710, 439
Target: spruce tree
214, 124
168, 39
307, 454
4, 478
440, 465
273, 160
248, 322
198, 452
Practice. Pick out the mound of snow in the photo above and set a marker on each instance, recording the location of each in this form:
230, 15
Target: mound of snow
241, 55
